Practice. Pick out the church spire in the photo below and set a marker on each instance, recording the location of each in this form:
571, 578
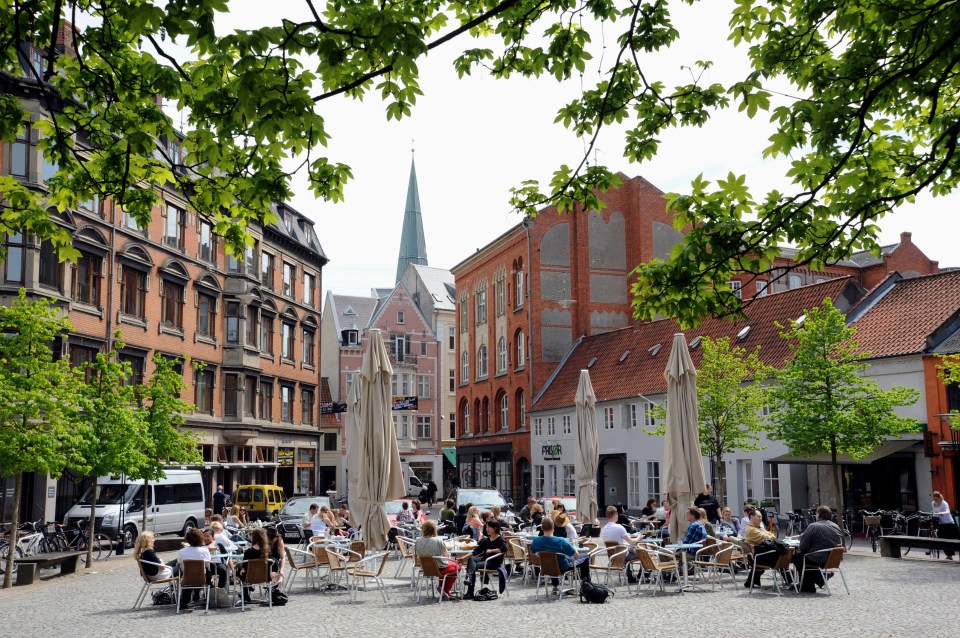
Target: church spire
413, 246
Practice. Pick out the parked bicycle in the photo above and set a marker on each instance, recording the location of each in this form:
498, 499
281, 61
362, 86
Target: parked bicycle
76, 539
871, 527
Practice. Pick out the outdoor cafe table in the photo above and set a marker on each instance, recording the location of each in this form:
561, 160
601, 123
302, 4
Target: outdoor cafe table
683, 556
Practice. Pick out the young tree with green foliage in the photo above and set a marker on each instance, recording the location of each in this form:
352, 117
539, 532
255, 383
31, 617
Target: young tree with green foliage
729, 400
859, 95
823, 404
37, 397
112, 428
165, 441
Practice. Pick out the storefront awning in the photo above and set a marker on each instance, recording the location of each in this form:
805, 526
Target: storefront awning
888, 448
451, 454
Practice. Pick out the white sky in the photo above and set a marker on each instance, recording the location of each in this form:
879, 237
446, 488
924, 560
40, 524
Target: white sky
477, 137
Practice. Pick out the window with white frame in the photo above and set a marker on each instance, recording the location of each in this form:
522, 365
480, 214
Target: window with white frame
463, 312
466, 418
569, 480
453, 425
453, 380
764, 411
771, 483
565, 426
552, 479
482, 361
653, 480
348, 383
451, 338
522, 413
480, 311
634, 419
498, 287
633, 484
538, 474
538, 427
464, 367
747, 469
504, 412
519, 288
608, 418
424, 427
551, 426
762, 287
521, 349
401, 424
423, 386
735, 287
648, 419
502, 355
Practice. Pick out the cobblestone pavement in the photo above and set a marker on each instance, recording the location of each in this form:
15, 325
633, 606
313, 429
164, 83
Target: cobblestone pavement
913, 596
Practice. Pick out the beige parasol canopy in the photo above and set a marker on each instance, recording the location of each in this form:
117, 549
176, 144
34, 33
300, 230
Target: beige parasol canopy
588, 450
682, 461
381, 479
351, 428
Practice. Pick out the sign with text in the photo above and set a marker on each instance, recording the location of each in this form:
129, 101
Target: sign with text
285, 457
405, 403
551, 451
328, 407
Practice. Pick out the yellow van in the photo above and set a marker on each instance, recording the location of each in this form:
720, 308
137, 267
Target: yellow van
261, 501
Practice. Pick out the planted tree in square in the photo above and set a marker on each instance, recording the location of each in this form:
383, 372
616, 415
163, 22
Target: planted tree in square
37, 398
822, 403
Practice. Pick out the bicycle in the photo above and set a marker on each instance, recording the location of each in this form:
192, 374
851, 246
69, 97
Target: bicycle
28, 544
871, 527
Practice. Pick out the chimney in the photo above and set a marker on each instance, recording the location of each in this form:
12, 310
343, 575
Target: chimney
905, 238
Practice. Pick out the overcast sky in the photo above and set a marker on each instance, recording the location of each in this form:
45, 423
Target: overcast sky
477, 137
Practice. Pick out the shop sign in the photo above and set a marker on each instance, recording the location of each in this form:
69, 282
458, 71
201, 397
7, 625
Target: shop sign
551, 452
404, 403
285, 457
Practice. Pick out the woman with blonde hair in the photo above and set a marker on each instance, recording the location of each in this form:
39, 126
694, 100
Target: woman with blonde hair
474, 525
153, 567
233, 517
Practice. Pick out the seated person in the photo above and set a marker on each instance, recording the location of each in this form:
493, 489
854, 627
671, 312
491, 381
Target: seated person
649, 511
728, 527
405, 515
218, 565
259, 548
707, 525
622, 518
526, 512
314, 522
754, 535
613, 532
822, 534
564, 549
491, 546
193, 550
429, 546
143, 550
222, 538
696, 532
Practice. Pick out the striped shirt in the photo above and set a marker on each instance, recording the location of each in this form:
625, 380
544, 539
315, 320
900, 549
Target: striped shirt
820, 535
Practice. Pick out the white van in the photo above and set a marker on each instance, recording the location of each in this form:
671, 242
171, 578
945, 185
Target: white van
411, 483
174, 504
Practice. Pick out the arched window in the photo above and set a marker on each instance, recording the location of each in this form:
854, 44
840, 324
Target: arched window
482, 361
485, 415
521, 410
504, 412
502, 355
464, 367
466, 417
521, 349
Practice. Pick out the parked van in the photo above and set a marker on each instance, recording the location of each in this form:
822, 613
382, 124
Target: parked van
261, 501
174, 504
411, 483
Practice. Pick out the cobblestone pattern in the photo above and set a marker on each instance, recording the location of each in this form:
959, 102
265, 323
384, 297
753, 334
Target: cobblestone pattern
889, 598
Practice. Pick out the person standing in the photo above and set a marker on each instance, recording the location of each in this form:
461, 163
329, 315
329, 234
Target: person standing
948, 526
431, 493
819, 535
219, 500
709, 502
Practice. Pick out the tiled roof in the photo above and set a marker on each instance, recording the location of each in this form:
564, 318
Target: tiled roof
439, 283
296, 227
640, 372
900, 321
865, 258
327, 420
349, 310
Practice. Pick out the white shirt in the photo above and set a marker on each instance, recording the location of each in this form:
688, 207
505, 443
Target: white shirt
224, 539
317, 526
195, 553
613, 533
232, 521
943, 511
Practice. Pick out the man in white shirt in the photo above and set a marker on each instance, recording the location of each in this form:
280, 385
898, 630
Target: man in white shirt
613, 532
947, 527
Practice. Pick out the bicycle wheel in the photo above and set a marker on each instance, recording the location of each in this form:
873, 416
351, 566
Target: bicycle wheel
105, 545
4, 553
847, 539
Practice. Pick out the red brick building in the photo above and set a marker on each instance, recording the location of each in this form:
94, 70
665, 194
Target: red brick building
172, 289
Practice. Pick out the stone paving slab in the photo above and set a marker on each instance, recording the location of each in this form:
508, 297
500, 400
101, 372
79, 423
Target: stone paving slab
889, 598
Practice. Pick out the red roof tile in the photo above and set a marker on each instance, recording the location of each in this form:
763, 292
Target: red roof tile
640, 373
902, 319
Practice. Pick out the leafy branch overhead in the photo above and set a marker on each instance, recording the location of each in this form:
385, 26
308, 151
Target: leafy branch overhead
868, 119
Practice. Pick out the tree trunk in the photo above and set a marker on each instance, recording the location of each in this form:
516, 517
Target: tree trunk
722, 480
836, 482
91, 521
14, 529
